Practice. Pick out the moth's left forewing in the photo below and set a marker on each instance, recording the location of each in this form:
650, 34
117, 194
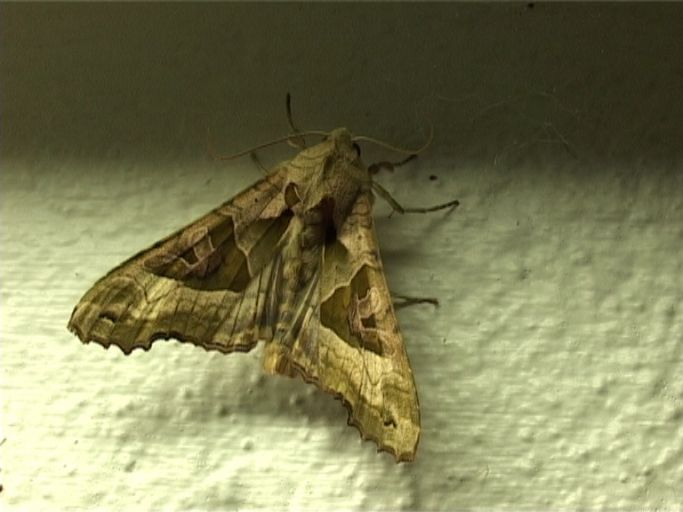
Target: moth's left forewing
351, 346
388, 411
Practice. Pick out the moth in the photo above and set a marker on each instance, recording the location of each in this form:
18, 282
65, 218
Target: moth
291, 261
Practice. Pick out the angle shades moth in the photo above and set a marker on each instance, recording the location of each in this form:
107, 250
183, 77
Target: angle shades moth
291, 261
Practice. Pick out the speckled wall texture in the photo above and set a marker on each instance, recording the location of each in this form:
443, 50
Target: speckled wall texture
551, 375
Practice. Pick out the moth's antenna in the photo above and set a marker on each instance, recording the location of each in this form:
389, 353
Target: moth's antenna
296, 141
391, 147
286, 138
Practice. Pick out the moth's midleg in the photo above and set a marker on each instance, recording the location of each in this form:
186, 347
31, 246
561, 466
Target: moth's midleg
396, 207
407, 300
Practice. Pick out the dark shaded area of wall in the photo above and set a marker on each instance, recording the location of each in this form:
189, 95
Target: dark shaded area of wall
600, 83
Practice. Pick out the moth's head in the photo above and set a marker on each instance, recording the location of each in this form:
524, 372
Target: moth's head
341, 136
344, 144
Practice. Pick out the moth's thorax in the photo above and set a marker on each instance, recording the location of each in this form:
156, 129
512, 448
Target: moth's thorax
330, 174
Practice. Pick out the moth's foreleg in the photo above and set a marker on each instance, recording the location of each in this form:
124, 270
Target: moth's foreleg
389, 166
254, 158
396, 207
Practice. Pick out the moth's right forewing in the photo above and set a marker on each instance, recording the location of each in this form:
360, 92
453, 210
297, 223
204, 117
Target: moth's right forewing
206, 284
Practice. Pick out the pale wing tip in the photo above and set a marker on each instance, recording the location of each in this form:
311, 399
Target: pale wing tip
401, 445
403, 450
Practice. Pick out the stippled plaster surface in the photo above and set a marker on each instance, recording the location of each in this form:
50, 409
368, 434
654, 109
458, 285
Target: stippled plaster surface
550, 377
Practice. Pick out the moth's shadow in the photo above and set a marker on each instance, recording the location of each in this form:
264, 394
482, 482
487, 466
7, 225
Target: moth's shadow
401, 245
250, 392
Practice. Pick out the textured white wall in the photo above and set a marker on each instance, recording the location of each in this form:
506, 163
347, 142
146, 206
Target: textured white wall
551, 375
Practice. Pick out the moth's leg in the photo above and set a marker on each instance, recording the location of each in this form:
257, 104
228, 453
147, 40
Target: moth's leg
401, 301
254, 158
390, 166
295, 140
384, 194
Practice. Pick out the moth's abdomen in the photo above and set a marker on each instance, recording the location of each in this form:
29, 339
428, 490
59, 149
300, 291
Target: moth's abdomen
300, 269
